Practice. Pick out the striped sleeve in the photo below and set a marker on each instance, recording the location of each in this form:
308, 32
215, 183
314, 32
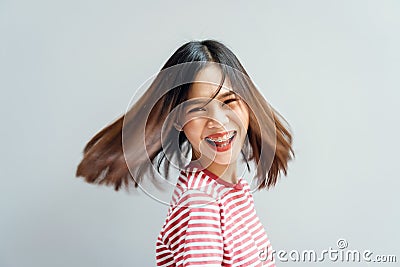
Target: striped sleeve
195, 236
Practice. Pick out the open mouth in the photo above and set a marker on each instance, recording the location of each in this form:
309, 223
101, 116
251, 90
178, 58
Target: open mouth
221, 142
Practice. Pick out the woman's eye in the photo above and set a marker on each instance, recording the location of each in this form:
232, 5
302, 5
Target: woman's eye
228, 101
196, 109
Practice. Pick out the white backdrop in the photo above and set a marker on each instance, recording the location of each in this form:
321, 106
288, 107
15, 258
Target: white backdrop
68, 68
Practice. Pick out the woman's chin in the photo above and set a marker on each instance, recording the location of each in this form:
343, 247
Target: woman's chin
221, 159
213, 155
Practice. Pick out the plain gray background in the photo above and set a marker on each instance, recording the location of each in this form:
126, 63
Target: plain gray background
68, 68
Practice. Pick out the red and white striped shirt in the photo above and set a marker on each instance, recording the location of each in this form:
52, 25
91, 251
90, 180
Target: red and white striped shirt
211, 222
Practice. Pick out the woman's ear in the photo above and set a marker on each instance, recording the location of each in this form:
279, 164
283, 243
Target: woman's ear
178, 127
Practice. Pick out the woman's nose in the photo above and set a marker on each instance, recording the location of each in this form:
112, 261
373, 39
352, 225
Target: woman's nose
217, 117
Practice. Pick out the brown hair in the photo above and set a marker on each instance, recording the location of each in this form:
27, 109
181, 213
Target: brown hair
106, 159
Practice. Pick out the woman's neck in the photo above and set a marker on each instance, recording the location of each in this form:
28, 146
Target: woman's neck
225, 172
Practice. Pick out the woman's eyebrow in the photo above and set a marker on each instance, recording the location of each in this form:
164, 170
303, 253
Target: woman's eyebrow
226, 94
195, 101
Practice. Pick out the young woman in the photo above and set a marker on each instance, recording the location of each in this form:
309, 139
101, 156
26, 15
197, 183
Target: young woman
200, 115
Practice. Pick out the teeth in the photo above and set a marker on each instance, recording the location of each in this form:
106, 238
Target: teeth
221, 139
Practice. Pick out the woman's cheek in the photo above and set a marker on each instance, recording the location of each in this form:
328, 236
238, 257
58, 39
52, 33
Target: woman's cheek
192, 131
241, 117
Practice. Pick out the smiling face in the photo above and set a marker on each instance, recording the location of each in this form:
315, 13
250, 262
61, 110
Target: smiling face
215, 127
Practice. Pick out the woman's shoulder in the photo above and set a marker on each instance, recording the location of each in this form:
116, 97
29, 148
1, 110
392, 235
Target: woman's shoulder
193, 184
